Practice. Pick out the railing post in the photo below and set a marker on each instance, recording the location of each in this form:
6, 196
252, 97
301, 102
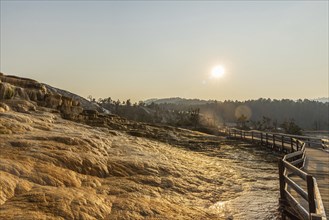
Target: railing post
252, 136
266, 139
282, 143
241, 134
292, 144
261, 138
273, 141
297, 144
282, 182
310, 193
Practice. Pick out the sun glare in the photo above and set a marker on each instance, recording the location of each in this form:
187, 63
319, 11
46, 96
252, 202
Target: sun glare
217, 72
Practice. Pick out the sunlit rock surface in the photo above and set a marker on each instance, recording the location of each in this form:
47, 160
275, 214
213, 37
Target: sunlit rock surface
105, 167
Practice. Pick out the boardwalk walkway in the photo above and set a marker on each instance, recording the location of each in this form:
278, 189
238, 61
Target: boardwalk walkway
303, 172
317, 164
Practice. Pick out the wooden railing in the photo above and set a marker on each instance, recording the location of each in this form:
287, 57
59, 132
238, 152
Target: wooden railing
325, 143
295, 201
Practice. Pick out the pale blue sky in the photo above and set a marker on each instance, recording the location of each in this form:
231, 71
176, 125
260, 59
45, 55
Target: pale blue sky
144, 49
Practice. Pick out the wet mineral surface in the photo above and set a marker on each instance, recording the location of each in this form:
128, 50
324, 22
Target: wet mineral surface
53, 168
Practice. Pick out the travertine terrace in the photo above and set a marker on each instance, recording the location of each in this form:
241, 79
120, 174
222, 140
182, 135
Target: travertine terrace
60, 160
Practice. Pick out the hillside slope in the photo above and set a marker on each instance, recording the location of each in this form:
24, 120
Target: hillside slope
98, 166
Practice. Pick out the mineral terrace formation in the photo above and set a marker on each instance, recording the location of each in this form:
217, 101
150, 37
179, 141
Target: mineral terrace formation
62, 158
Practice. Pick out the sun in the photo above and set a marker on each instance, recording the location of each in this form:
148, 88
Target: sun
217, 72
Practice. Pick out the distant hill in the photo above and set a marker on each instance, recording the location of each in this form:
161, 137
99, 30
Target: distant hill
178, 101
184, 101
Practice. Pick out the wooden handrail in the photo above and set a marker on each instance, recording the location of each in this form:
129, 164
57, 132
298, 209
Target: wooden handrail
295, 170
295, 162
319, 207
295, 149
293, 154
301, 211
298, 137
296, 187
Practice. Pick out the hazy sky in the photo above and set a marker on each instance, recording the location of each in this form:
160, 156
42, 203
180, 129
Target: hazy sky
144, 49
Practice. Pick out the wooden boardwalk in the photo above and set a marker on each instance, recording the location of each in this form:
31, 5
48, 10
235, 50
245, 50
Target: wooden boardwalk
303, 172
317, 164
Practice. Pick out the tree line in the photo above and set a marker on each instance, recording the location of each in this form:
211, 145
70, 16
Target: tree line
262, 114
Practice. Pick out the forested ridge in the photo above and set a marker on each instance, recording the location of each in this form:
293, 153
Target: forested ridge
259, 114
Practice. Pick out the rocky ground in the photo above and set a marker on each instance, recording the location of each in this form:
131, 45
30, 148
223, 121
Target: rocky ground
98, 166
